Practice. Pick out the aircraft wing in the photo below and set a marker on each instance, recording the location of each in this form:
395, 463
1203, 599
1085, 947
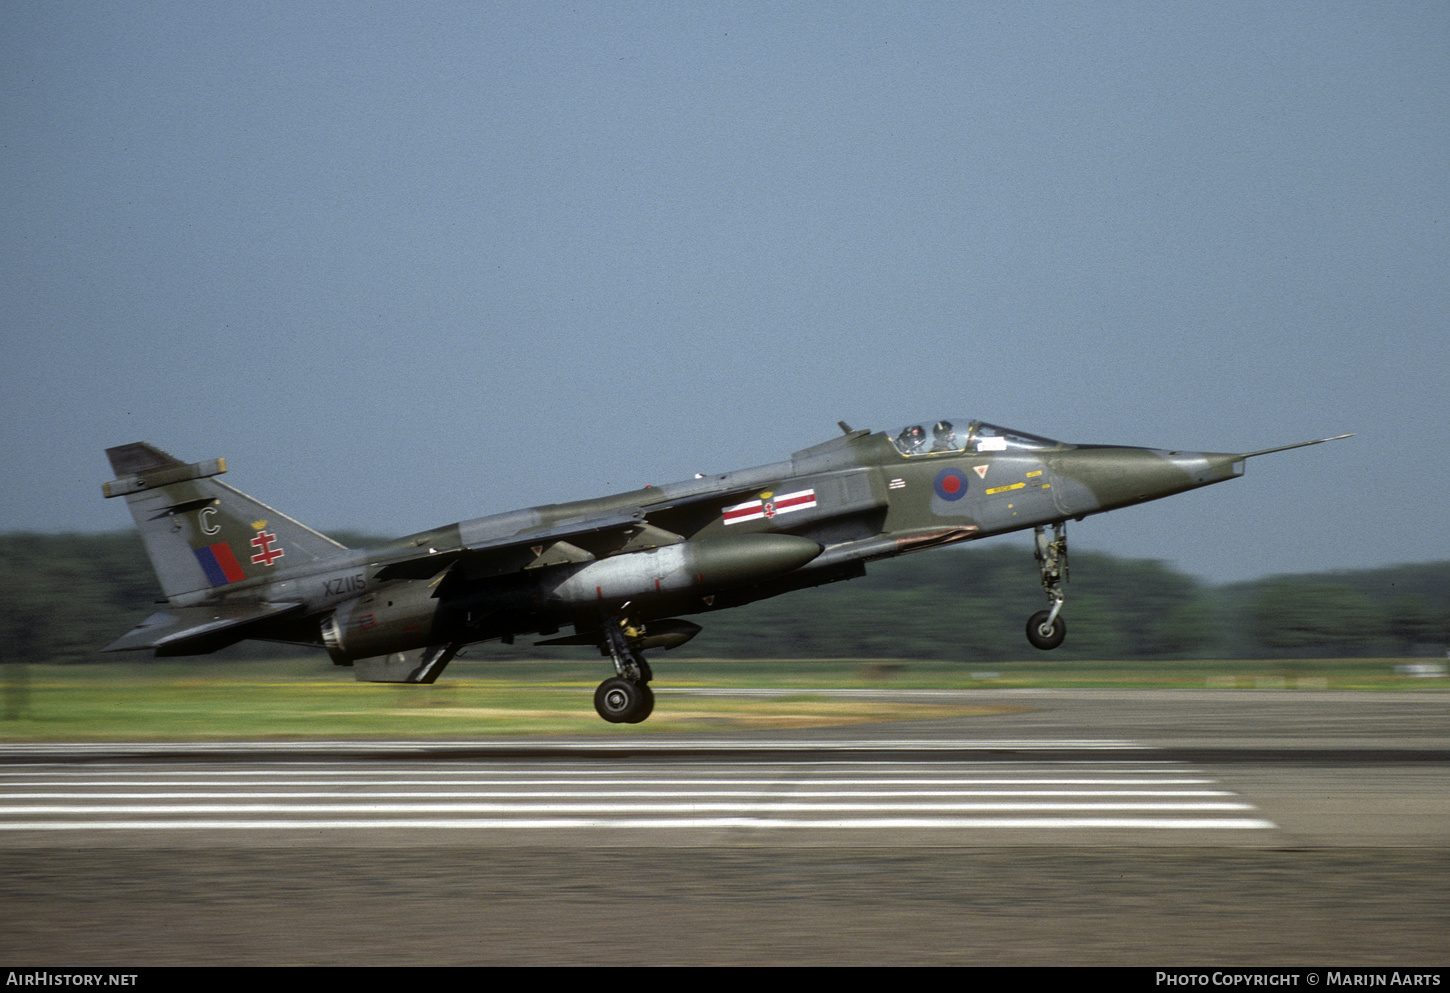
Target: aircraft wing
653, 525
198, 630
605, 534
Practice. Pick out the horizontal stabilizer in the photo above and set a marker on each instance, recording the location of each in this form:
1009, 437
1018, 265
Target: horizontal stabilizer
198, 630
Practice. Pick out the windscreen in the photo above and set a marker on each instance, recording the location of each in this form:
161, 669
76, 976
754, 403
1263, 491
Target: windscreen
950, 436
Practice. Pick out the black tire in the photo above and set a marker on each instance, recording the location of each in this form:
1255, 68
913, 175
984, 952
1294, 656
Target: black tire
1045, 640
646, 704
619, 701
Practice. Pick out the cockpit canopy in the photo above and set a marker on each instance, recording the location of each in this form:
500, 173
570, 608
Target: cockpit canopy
955, 436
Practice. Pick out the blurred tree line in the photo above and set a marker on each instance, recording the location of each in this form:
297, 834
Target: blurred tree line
972, 603
66, 596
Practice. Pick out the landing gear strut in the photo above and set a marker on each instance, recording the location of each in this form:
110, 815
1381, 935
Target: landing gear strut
1045, 629
625, 698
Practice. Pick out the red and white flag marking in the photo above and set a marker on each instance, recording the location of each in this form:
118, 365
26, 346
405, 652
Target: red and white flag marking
754, 510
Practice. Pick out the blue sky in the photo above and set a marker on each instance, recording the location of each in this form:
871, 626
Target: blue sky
404, 264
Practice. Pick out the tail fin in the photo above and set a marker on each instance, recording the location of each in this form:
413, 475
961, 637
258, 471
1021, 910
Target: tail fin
199, 532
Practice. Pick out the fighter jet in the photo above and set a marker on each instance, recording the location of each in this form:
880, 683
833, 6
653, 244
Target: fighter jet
618, 571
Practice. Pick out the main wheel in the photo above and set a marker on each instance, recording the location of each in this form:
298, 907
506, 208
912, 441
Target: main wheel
1043, 637
647, 704
619, 701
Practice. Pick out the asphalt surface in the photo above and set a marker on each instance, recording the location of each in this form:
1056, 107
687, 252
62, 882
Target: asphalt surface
1090, 827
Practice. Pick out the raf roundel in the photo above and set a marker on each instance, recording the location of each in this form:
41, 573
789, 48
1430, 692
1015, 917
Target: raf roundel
950, 484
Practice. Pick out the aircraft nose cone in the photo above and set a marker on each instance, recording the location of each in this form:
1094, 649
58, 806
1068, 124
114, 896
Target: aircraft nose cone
1119, 477
1208, 467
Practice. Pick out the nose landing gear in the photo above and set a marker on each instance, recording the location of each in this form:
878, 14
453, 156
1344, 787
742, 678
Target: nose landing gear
1045, 629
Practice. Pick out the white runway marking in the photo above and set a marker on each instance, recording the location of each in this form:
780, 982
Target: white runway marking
447, 794
763, 823
684, 792
584, 808
610, 744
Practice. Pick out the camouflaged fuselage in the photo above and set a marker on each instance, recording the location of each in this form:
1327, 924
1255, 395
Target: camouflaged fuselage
233, 568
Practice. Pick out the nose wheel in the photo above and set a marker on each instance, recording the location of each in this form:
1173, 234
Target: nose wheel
1045, 629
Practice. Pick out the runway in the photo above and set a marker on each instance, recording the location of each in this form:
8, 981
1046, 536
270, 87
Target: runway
680, 800
1228, 828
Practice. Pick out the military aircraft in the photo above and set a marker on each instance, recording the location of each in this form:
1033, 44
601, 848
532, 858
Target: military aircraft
618, 569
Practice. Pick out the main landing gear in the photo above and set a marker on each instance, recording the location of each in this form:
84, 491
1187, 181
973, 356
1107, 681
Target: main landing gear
1045, 629
626, 697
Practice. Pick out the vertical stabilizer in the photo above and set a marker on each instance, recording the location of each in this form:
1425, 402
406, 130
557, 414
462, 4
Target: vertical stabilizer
200, 533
